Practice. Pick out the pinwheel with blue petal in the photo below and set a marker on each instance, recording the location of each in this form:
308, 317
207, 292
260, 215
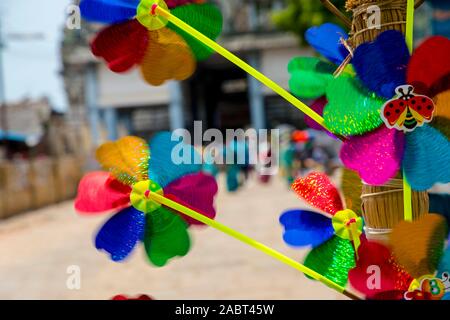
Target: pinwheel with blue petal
354, 105
138, 36
333, 233
136, 169
310, 75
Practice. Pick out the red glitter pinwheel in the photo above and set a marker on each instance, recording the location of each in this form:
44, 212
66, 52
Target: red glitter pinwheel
411, 270
133, 175
138, 36
333, 234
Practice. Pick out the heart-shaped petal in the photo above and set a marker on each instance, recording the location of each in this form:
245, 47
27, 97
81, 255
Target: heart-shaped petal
429, 68
100, 192
421, 256
381, 64
376, 156
441, 116
168, 57
120, 234
122, 45
305, 228
171, 159
195, 191
108, 11
326, 39
427, 157
351, 109
126, 159
333, 260
376, 271
166, 236
317, 190
309, 77
205, 18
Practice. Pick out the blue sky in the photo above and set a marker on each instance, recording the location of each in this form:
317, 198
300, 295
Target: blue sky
31, 67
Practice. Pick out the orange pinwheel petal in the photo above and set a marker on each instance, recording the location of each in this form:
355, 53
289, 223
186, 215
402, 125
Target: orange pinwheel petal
441, 119
127, 159
168, 57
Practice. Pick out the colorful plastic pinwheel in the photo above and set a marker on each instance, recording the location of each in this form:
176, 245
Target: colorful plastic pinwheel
138, 36
333, 234
133, 175
408, 269
385, 113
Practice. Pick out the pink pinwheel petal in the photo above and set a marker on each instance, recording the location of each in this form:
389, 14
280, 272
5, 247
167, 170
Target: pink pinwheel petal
99, 192
376, 156
195, 191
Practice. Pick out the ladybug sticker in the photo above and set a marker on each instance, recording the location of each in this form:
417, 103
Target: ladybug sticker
407, 110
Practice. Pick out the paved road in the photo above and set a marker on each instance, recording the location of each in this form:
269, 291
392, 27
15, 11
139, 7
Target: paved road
37, 248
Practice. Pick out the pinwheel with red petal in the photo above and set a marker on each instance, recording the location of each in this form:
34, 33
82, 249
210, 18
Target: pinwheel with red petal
411, 270
333, 233
137, 36
135, 170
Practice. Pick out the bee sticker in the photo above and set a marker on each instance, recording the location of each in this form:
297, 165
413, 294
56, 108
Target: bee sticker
430, 288
407, 110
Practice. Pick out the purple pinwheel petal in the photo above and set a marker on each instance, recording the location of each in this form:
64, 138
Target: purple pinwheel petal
176, 3
195, 191
318, 105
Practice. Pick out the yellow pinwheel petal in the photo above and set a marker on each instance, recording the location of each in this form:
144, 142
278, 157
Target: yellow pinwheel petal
442, 102
168, 57
127, 159
441, 117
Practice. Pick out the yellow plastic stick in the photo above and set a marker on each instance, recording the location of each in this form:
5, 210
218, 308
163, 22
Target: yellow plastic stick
251, 242
291, 99
407, 199
243, 65
407, 193
410, 25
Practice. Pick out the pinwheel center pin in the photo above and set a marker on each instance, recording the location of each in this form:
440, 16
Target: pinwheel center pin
347, 225
140, 196
148, 16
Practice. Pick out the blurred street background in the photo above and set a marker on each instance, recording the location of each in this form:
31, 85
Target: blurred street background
37, 248
58, 104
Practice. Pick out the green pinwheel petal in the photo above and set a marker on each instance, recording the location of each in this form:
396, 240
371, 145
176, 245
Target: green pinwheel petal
205, 18
333, 259
166, 236
309, 77
351, 109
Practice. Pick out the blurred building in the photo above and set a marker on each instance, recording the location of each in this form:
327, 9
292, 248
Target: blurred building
219, 94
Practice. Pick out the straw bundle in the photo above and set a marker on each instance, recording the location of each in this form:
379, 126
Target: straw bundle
392, 17
383, 208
